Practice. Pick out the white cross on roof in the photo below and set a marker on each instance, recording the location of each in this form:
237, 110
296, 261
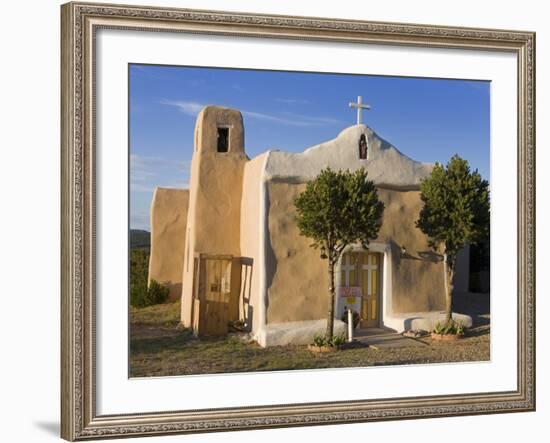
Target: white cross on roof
360, 106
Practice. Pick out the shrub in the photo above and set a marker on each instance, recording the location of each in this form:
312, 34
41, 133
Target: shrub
138, 294
157, 293
319, 340
139, 264
449, 327
142, 296
338, 340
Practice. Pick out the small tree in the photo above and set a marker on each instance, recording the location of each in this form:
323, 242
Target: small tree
336, 209
455, 213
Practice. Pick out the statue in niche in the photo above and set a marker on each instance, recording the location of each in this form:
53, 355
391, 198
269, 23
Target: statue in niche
363, 149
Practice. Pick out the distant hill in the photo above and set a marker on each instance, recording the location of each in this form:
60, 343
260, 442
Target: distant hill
140, 239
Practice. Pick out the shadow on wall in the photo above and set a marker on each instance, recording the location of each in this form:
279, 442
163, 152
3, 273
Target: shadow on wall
245, 309
417, 281
175, 290
462, 273
270, 260
427, 256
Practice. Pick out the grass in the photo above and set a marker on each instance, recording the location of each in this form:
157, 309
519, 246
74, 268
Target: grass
163, 315
159, 348
181, 355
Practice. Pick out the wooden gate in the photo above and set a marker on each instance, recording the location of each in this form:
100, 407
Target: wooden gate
211, 294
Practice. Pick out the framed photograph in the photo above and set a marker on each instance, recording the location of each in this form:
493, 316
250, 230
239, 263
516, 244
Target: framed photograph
277, 221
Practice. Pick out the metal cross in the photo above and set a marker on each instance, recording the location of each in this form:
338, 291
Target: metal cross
360, 106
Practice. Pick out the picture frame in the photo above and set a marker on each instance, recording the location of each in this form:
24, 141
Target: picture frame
80, 24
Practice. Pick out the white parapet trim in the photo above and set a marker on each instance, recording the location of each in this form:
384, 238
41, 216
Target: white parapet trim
295, 332
422, 320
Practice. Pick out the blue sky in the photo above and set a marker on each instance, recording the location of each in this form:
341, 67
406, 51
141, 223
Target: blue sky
427, 119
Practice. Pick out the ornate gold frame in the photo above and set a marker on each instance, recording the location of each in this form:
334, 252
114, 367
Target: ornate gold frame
80, 21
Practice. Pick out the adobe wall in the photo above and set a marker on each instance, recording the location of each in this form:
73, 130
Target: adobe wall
168, 227
297, 280
252, 207
296, 277
213, 222
417, 277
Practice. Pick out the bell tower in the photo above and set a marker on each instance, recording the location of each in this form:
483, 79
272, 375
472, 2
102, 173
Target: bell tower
215, 192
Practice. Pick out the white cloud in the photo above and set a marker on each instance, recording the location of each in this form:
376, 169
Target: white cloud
314, 120
147, 173
189, 108
293, 101
152, 165
274, 119
193, 108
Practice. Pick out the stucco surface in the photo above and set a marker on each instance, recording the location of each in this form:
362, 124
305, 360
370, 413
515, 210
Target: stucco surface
252, 205
297, 278
212, 117
423, 320
297, 332
168, 227
417, 276
385, 164
215, 198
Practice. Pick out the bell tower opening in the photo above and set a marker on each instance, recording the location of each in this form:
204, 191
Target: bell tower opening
223, 139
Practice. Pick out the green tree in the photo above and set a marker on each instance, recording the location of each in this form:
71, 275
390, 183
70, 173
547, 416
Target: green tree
141, 293
455, 213
338, 208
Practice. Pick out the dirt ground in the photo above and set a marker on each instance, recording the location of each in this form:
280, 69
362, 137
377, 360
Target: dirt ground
158, 347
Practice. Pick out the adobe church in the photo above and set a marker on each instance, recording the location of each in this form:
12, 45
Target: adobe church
230, 248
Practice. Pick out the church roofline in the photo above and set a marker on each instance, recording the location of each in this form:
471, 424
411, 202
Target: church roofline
386, 165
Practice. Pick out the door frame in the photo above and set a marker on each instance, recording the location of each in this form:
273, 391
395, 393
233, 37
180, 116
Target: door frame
385, 279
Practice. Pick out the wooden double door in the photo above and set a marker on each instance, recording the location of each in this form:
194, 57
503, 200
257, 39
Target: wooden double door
362, 269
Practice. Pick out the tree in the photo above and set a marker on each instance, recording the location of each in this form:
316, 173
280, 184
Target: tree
338, 208
141, 293
455, 213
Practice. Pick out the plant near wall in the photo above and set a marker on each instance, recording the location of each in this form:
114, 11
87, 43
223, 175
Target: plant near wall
455, 213
157, 293
449, 327
338, 340
142, 293
319, 340
337, 209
